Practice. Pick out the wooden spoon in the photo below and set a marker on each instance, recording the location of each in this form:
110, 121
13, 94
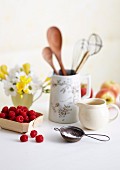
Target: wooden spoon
55, 42
47, 55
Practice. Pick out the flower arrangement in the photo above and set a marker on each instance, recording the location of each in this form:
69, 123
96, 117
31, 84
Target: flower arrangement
21, 80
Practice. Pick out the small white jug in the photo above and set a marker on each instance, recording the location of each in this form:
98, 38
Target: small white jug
94, 113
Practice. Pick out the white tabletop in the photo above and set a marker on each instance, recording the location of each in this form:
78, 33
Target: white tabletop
56, 154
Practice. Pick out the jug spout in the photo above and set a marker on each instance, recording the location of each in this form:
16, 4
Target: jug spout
80, 104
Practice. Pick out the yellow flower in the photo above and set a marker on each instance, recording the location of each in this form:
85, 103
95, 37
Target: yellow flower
3, 71
2, 75
26, 91
22, 85
47, 79
25, 80
26, 68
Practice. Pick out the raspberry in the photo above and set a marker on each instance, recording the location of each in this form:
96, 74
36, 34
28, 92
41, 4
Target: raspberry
39, 138
12, 108
19, 107
38, 114
2, 115
31, 112
22, 113
11, 114
5, 109
26, 119
24, 138
12, 118
32, 117
20, 119
18, 111
24, 108
33, 133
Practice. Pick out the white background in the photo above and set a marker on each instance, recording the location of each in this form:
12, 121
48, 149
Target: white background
23, 26
54, 153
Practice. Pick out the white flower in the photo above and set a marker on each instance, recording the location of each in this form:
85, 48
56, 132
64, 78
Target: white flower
36, 84
33, 87
36, 81
19, 74
9, 88
13, 80
14, 70
17, 81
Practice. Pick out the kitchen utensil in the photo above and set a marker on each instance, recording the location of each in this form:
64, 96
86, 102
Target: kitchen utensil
55, 42
94, 46
82, 62
95, 114
80, 47
65, 92
74, 134
47, 55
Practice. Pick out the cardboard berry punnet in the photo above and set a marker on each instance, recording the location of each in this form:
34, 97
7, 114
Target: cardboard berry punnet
17, 125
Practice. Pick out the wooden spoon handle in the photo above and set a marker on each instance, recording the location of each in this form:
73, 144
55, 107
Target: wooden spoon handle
50, 62
55, 71
62, 68
84, 59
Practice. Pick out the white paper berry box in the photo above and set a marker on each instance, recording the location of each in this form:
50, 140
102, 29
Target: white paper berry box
21, 127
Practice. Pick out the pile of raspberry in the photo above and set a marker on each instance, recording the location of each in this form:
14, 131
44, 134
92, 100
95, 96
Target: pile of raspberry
19, 114
33, 134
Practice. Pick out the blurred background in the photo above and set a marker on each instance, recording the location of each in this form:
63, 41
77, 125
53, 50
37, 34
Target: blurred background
24, 23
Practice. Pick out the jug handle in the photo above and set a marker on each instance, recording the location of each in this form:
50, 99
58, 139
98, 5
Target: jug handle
88, 92
116, 108
41, 90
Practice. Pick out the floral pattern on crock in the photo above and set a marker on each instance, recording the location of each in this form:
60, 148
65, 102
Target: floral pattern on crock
61, 110
66, 85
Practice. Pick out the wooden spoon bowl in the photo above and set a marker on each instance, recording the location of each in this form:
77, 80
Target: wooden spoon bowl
55, 42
